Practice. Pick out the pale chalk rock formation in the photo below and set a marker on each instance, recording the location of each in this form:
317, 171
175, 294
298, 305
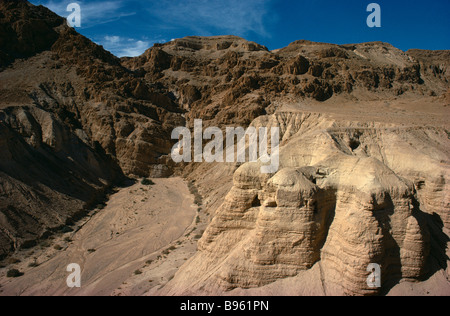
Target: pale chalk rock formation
343, 196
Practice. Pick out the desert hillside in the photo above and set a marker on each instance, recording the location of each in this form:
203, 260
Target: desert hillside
364, 164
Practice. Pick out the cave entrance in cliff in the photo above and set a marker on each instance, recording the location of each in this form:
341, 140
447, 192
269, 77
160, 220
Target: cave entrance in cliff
354, 144
256, 202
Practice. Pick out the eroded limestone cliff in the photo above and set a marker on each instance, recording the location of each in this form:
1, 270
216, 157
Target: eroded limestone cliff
347, 195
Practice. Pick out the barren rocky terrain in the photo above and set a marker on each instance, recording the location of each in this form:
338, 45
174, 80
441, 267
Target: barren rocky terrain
363, 178
139, 225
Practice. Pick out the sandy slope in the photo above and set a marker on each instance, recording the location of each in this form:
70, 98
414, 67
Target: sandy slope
137, 224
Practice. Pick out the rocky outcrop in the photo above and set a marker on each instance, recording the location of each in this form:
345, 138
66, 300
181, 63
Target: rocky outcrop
338, 199
49, 175
87, 88
25, 30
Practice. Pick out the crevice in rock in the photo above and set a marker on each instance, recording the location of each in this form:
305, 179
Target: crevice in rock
390, 261
326, 206
256, 202
354, 144
433, 225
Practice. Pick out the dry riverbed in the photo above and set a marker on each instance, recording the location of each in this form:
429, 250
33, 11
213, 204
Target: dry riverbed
134, 245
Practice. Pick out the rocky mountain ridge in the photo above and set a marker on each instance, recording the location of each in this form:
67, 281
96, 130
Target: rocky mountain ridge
68, 106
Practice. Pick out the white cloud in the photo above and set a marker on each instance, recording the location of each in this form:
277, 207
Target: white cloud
237, 17
92, 13
112, 39
126, 47
164, 18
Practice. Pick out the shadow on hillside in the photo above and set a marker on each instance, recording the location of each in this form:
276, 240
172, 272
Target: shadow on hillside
431, 226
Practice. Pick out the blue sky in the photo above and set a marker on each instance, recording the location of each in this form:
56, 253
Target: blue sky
129, 27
